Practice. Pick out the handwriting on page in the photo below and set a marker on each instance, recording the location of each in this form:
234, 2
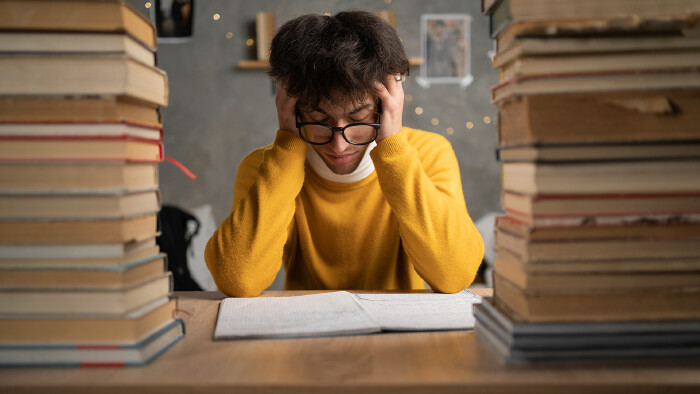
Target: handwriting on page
336, 313
421, 312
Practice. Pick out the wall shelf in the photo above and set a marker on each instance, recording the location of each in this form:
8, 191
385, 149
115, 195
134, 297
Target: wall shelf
263, 64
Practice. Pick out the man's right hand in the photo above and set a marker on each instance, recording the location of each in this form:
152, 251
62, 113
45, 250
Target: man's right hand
286, 109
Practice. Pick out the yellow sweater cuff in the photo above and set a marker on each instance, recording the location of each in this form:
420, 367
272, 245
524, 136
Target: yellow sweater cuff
393, 145
289, 141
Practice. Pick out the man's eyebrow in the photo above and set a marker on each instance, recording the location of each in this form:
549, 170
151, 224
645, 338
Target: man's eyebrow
360, 108
353, 112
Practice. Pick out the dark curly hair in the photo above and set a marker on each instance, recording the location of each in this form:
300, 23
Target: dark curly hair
337, 58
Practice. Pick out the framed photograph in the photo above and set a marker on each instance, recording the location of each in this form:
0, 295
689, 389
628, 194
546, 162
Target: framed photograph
445, 49
173, 20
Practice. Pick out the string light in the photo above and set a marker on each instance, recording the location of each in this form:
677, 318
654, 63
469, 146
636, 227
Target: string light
450, 131
470, 125
409, 98
487, 119
216, 17
229, 35
148, 4
250, 42
435, 121
419, 110
387, 1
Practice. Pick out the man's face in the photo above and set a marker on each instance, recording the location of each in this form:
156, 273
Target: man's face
339, 155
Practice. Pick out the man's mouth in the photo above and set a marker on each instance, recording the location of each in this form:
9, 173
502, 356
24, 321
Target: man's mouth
341, 159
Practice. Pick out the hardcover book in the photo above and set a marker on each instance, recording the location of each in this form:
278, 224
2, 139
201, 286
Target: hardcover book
77, 178
46, 43
515, 341
109, 16
90, 75
105, 115
595, 118
126, 355
78, 231
615, 177
668, 303
118, 277
86, 302
72, 206
87, 330
74, 148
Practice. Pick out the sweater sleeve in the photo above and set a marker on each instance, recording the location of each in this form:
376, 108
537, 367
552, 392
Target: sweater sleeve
426, 196
245, 253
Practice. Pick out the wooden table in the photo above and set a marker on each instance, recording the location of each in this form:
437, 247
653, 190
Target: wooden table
429, 362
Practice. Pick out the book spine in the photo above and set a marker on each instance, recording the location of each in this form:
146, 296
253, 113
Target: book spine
264, 29
499, 18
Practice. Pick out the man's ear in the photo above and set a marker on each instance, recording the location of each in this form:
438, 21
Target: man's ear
281, 82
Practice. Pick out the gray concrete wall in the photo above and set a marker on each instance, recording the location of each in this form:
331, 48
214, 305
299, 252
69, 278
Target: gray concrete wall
218, 113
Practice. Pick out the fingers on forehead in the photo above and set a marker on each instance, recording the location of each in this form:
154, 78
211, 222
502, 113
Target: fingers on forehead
383, 88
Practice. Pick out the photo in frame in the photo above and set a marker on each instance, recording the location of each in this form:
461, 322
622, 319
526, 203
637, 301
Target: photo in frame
445, 49
173, 20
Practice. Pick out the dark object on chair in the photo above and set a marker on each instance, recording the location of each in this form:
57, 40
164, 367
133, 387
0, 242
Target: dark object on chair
174, 240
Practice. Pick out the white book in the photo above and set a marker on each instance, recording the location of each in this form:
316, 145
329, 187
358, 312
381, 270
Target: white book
41, 43
79, 130
343, 313
74, 251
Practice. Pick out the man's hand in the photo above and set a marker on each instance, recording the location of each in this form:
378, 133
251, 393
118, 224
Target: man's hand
286, 109
391, 94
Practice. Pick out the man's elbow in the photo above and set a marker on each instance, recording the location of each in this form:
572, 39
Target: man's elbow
464, 272
235, 283
232, 282
239, 289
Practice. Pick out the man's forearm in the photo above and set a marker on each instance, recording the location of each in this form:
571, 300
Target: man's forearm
436, 231
245, 252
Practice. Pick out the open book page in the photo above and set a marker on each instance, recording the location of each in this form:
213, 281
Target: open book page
422, 312
325, 314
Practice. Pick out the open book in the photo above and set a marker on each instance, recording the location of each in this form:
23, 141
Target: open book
343, 313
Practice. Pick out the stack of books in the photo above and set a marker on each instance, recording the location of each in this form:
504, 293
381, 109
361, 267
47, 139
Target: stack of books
598, 254
82, 281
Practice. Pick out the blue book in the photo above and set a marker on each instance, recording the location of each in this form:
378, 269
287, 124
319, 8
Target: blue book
70, 355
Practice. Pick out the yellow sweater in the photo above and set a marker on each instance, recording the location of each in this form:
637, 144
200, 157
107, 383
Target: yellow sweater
405, 223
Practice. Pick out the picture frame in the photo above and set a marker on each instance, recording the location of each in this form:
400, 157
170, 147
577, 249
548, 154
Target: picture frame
445, 49
173, 20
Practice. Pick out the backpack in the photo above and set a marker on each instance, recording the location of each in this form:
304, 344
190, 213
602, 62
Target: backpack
174, 240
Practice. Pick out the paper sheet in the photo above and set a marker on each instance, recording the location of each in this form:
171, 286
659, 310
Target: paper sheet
422, 312
325, 314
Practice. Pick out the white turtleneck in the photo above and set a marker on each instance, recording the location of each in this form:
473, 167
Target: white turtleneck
362, 171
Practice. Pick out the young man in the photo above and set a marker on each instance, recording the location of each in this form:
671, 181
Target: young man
345, 197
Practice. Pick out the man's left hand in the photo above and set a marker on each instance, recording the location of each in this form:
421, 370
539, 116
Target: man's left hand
391, 94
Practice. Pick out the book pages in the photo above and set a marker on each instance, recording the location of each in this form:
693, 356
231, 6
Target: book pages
422, 312
326, 314
343, 313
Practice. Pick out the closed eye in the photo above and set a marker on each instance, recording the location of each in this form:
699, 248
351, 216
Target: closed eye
363, 119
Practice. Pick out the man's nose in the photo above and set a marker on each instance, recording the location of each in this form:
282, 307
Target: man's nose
338, 143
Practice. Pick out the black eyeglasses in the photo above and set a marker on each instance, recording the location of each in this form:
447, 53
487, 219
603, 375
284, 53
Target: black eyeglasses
355, 133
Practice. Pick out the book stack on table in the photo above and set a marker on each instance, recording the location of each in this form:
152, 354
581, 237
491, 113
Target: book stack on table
599, 139
82, 281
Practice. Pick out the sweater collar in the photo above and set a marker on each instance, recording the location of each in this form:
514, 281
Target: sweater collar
363, 170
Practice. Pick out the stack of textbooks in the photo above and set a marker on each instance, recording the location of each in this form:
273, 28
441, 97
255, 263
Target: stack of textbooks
598, 253
82, 281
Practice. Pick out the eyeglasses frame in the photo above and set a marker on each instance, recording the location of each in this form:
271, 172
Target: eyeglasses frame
340, 130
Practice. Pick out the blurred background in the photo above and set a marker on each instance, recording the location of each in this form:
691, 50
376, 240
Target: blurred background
218, 112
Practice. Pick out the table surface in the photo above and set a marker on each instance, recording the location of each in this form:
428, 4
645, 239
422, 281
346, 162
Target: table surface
433, 362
